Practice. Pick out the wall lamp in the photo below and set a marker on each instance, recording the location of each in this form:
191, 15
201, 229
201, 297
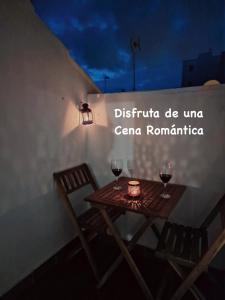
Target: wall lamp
86, 113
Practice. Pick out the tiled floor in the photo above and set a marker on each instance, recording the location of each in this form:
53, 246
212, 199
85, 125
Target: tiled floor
74, 279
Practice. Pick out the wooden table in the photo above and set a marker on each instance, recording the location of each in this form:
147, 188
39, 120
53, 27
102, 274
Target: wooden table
150, 204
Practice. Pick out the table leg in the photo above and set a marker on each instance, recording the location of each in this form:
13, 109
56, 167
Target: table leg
127, 255
130, 246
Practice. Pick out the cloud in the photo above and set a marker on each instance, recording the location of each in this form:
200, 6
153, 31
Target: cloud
76, 24
98, 32
99, 74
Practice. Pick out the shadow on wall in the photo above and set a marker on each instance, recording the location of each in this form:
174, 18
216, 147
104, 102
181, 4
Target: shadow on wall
44, 144
199, 161
100, 142
103, 144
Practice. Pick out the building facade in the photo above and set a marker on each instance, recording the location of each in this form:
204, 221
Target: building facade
206, 67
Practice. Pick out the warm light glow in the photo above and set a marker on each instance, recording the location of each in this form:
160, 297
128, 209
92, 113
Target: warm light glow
100, 113
134, 189
71, 120
212, 82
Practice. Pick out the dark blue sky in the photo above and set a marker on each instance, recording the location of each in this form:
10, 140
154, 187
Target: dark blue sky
97, 34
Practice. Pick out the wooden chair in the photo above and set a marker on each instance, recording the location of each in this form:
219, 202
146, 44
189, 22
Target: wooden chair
182, 245
89, 223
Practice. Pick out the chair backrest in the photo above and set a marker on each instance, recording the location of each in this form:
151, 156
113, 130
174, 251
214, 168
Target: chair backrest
219, 209
72, 179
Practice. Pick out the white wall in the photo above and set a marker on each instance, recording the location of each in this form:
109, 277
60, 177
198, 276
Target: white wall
39, 134
199, 160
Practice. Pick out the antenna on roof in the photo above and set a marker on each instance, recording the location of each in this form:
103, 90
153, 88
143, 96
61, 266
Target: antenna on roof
135, 45
106, 78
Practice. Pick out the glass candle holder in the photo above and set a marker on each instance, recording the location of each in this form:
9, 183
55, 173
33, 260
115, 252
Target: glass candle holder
134, 189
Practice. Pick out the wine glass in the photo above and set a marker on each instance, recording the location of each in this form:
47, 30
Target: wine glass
117, 167
130, 167
165, 174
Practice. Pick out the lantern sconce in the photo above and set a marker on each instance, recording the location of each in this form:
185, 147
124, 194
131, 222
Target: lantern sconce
86, 114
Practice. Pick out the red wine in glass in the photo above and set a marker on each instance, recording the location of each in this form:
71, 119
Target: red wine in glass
117, 172
165, 175
117, 167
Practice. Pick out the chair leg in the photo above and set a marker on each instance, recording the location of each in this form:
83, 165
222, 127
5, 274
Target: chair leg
126, 255
83, 240
130, 246
200, 267
89, 256
188, 283
162, 288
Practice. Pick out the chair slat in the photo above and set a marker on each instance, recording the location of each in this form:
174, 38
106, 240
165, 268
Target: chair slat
65, 183
195, 245
86, 175
187, 241
75, 180
171, 238
77, 175
179, 245
163, 237
81, 176
71, 182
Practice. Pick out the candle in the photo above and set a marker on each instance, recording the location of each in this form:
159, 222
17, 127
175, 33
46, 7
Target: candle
134, 189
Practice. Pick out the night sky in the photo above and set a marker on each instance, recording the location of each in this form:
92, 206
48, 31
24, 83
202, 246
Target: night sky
97, 34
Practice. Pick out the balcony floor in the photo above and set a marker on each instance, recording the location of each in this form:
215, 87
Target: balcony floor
74, 280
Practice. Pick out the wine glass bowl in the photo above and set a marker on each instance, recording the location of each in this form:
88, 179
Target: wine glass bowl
130, 167
165, 174
117, 167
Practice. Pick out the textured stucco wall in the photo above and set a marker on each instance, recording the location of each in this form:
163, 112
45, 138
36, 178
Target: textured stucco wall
39, 88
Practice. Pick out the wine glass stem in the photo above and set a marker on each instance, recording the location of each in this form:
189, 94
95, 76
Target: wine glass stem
117, 181
165, 184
